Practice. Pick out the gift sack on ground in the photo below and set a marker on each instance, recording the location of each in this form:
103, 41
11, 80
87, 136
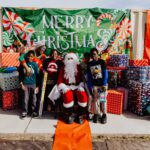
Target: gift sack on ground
139, 97
9, 81
119, 60
9, 59
9, 99
114, 102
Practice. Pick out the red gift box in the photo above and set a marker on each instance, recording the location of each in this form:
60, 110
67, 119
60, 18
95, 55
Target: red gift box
9, 99
9, 59
114, 102
116, 68
125, 97
136, 62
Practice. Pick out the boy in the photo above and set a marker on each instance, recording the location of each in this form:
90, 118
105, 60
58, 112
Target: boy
38, 58
98, 76
29, 84
84, 66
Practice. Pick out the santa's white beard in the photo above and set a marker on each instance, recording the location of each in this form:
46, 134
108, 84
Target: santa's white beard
70, 71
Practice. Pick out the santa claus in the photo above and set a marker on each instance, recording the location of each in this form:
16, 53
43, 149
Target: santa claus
71, 86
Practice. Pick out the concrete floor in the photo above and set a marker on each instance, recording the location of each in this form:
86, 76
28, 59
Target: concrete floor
128, 123
98, 145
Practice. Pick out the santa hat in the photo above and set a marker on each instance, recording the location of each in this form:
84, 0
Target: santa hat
39, 44
72, 55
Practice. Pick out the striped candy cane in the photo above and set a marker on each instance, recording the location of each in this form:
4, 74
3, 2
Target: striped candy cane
12, 21
103, 16
124, 29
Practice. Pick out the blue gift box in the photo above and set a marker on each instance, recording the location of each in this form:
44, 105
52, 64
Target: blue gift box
138, 73
9, 81
119, 60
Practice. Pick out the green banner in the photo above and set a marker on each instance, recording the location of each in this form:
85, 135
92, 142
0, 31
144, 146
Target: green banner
69, 30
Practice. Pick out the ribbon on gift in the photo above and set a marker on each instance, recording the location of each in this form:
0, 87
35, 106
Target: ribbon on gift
136, 62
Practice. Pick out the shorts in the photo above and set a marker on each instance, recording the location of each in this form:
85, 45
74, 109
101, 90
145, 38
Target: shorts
102, 96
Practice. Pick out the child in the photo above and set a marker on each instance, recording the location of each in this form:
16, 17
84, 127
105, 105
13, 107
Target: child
29, 84
87, 85
98, 76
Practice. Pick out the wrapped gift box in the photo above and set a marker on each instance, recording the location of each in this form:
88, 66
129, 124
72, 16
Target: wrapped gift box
119, 60
9, 99
139, 97
9, 81
114, 78
136, 62
114, 102
125, 97
9, 59
116, 68
137, 73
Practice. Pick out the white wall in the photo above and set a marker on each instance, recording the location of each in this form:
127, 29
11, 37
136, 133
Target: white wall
121, 4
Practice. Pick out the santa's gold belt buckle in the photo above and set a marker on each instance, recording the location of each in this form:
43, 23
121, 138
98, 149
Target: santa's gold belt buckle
50, 82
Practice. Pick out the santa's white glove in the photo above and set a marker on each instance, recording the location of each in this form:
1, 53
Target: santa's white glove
62, 87
81, 85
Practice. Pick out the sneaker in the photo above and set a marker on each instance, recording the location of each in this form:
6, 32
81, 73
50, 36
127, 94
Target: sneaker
24, 114
104, 119
35, 115
99, 118
95, 118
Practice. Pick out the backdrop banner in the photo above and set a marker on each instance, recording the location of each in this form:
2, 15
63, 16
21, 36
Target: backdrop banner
69, 30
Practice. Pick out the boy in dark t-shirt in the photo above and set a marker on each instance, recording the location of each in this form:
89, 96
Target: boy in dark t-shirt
98, 76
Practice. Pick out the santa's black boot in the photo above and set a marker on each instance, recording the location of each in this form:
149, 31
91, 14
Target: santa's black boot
80, 114
69, 119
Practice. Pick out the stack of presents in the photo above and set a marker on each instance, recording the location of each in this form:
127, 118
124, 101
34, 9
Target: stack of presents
9, 81
129, 85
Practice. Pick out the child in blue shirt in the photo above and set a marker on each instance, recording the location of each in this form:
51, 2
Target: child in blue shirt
29, 84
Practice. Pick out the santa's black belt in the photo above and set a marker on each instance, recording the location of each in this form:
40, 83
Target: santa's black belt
72, 84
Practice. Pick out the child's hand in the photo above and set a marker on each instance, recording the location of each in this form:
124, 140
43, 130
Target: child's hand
104, 88
36, 90
90, 97
22, 87
28, 71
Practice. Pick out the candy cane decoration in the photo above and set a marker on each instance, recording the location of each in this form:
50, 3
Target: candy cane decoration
103, 16
124, 29
12, 21
27, 33
7, 39
21, 28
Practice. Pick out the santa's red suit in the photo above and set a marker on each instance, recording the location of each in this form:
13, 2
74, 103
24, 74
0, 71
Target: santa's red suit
70, 82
